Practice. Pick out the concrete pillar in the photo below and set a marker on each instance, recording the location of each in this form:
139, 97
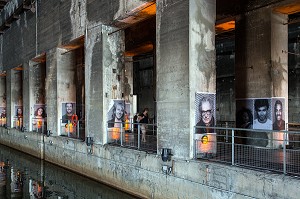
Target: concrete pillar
16, 99
9, 106
185, 45
66, 84
261, 65
26, 96
2, 101
51, 91
94, 84
113, 69
37, 93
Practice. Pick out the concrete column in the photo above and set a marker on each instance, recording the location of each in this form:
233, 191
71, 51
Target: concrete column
37, 93
16, 93
2, 100
26, 96
9, 106
261, 65
185, 65
113, 68
51, 91
66, 84
94, 84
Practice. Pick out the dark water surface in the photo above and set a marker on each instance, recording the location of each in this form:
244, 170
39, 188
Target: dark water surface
23, 176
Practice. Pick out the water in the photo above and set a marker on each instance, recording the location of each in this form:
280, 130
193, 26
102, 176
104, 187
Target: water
23, 176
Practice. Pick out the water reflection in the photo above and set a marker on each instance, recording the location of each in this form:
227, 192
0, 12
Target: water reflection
23, 176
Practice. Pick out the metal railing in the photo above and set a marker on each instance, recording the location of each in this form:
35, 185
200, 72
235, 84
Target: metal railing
39, 125
18, 123
73, 129
258, 149
133, 135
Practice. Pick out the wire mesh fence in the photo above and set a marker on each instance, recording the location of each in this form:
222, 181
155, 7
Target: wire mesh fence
134, 135
258, 149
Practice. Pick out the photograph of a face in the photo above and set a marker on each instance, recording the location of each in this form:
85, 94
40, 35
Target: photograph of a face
116, 113
205, 111
40, 111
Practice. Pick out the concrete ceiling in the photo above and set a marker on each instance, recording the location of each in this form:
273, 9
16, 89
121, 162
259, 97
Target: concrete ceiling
139, 24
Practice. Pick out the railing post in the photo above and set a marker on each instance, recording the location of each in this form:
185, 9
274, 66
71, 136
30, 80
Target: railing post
226, 135
284, 152
68, 128
139, 136
232, 147
121, 133
77, 134
195, 143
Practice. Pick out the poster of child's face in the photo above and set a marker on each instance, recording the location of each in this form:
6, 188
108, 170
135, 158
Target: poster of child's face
40, 111
68, 108
205, 111
19, 111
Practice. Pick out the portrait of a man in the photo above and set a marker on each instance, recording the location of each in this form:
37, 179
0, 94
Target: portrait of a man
262, 114
279, 123
68, 110
206, 113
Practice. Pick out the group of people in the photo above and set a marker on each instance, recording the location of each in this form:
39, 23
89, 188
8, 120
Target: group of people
119, 115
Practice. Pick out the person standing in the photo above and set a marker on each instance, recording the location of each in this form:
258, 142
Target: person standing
144, 120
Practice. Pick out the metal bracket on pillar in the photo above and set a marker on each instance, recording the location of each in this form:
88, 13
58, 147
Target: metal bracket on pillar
287, 52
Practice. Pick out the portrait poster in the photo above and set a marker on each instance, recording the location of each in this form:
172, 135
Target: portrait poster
115, 112
279, 122
244, 113
278, 115
40, 111
205, 114
18, 111
2, 115
211, 99
262, 118
68, 109
2, 112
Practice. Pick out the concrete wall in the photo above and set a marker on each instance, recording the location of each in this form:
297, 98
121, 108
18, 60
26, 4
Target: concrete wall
141, 173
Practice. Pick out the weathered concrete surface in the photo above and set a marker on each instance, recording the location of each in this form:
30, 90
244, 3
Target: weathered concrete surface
185, 45
173, 108
94, 84
140, 173
60, 180
51, 91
